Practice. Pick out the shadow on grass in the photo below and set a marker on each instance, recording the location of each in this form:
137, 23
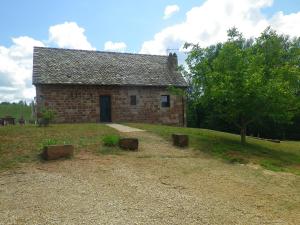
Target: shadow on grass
233, 151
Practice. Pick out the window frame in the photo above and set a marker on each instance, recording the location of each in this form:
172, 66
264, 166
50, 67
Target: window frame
165, 104
133, 103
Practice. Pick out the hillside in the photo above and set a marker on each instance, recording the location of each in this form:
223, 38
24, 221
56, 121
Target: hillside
284, 156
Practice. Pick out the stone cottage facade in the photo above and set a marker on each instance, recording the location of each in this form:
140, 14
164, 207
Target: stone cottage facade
94, 86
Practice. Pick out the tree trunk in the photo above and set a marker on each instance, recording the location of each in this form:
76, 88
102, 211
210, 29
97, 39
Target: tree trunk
243, 134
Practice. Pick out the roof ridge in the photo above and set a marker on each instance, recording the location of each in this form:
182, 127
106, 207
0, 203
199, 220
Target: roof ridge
97, 51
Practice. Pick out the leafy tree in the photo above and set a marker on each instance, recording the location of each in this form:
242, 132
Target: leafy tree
244, 80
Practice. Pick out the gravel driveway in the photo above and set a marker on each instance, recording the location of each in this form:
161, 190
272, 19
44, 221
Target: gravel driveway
159, 184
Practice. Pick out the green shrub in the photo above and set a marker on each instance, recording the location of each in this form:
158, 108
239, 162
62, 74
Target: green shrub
110, 140
46, 117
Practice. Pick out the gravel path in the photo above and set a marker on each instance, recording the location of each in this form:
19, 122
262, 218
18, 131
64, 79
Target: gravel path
159, 184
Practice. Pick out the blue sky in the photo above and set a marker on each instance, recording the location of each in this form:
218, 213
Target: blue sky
128, 26
130, 21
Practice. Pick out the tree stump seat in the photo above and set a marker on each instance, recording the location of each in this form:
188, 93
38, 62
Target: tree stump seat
52, 152
129, 144
180, 140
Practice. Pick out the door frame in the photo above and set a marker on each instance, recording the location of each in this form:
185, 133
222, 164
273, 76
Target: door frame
109, 105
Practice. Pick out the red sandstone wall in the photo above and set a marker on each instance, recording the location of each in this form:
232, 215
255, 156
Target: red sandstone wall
78, 103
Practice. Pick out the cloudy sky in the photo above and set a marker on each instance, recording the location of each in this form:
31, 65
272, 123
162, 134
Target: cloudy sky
135, 26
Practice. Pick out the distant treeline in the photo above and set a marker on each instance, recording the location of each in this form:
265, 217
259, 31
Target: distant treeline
16, 110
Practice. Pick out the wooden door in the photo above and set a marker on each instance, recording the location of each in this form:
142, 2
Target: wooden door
105, 109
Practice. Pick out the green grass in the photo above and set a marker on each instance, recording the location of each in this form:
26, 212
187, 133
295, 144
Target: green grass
15, 110
284, 156
23, 144
110, 150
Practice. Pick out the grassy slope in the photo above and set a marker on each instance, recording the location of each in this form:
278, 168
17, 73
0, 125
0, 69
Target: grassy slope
15, 110
284, 156
23, 144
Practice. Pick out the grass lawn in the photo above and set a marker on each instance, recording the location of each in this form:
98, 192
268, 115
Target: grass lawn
23, 144
284, 156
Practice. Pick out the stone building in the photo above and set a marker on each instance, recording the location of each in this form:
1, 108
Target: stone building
94, 86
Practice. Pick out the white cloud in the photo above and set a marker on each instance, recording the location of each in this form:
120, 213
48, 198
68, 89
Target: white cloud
286, 24
170, 10
16, 69
115, 46
69, 35
208, 24
16, 60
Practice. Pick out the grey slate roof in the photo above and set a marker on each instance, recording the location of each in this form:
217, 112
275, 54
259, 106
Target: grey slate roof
66, 66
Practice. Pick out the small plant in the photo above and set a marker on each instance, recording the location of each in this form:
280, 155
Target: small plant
47, 142
110, 140
46, 117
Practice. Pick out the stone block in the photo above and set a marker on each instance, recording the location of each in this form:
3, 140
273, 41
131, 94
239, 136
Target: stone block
180, 140
129, 143
52, 152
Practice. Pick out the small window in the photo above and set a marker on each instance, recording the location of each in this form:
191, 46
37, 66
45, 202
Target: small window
165, 101
133, 100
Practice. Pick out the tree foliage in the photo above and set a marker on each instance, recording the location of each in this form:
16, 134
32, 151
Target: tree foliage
244, 80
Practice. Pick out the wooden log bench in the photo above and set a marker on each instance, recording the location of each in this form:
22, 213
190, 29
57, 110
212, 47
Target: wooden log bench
129, 144
273, 140
180, 140
52, 152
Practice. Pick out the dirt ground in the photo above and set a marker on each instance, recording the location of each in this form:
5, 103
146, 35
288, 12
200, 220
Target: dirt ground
160, 184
